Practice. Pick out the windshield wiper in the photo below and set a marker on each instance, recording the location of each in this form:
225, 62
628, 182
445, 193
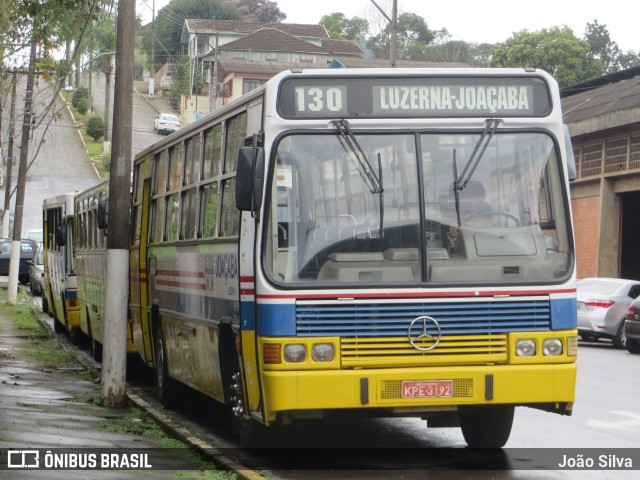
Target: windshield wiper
347, 139
490, 127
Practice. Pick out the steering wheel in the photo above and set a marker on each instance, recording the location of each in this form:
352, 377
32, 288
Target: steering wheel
496, 213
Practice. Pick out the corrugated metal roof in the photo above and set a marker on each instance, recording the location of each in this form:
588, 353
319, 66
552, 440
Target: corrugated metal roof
614, 97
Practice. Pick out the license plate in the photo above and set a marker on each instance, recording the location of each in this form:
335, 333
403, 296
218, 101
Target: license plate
427, 388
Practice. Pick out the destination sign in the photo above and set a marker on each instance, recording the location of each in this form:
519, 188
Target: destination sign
406, 97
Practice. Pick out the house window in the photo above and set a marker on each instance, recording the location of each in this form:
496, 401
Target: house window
251, 83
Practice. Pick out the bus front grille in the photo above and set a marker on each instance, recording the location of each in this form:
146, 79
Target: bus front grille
376, 333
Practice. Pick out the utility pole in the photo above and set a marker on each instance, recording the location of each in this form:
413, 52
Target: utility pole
393, 47
116, 294
12, 290
213, 78
7, 181
152, 72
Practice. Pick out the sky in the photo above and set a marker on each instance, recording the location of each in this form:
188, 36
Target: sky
475, 21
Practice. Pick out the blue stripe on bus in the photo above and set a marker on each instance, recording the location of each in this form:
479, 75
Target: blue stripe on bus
248, 315
563, 313
277, 319
71, 294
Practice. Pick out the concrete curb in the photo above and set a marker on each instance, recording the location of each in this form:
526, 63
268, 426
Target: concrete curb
202, 446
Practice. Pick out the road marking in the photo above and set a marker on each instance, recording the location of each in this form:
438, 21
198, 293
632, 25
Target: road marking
633, 421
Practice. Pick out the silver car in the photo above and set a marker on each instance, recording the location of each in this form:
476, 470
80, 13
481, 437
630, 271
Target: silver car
36, 271
602, 307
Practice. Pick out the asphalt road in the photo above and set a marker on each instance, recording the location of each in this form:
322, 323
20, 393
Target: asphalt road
56, 155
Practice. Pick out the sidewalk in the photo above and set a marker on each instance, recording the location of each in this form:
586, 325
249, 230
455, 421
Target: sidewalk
49, 400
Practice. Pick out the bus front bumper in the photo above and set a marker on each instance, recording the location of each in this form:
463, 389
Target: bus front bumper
397, 388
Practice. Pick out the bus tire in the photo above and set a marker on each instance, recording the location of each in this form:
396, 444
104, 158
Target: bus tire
96, 346
167, 387
486, 427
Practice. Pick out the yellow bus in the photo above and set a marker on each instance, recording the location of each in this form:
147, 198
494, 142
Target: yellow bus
59, 292
90, 247
390, 242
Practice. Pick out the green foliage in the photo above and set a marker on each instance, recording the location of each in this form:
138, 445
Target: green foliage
342, 28
170, 21
81, 93
606, 50
83, 105
456, 51
95, 128
413, 37
556, 50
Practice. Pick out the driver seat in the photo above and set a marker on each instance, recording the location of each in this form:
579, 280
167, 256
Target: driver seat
472, 199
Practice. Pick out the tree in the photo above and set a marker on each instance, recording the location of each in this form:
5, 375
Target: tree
606, 50
340, 27
458, 51
170, 22
557, 51
95, 128
413, 37
258, 10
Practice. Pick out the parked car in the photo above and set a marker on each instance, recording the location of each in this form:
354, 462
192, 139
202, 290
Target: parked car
166, 123
632, 327
27, 250
603, 304
36, 271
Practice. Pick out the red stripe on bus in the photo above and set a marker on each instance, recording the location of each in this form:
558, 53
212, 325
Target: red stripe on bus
187, 285
178, 273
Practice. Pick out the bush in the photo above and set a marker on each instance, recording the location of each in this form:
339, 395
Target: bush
95, 128
78, 94
83, 106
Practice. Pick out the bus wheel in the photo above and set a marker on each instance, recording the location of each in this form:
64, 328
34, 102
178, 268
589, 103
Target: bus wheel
96, 347
486, 427
167, 387
45, 305
75, 335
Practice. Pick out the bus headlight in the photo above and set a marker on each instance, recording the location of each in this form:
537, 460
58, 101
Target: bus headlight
552, 347
295, 353
322, 352
525, 347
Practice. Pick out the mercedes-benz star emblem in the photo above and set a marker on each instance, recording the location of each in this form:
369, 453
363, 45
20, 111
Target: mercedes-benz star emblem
424, 330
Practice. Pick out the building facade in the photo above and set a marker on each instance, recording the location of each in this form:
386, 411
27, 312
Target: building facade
603, 117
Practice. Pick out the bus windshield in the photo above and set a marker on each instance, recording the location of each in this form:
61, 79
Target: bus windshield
434, 216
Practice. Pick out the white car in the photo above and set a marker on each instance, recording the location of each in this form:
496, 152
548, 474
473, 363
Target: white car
166, 123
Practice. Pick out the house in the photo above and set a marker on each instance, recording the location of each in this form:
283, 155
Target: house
244, 55
603, 117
